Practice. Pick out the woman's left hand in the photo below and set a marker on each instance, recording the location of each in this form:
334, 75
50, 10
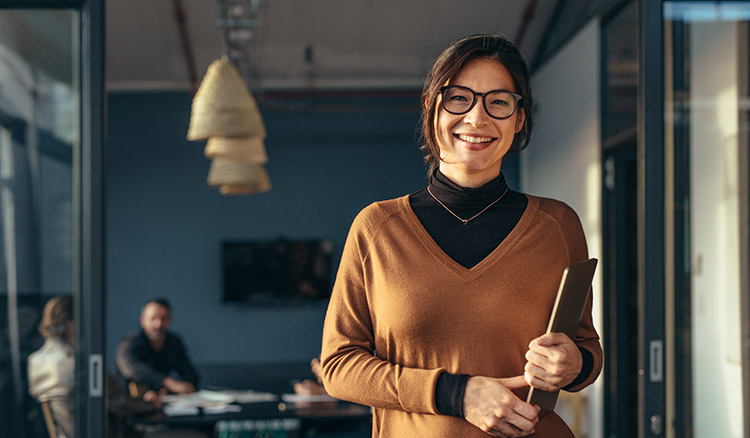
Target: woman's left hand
553, 362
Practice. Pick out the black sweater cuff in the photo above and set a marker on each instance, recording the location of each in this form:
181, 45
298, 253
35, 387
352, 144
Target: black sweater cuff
449, 394
586, 367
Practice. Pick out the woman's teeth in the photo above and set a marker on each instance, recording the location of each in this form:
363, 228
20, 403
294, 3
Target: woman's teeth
471, 139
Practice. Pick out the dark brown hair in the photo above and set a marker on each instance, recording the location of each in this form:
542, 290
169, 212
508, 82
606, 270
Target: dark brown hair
160, 301
57, 313
449, 64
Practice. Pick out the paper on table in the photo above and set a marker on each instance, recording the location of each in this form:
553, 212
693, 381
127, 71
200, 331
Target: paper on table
204, 397
172, 410
200, 398
212, 402
293, 398
222, 409
249, 396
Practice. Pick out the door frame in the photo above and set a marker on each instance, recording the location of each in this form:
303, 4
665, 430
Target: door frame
651, 208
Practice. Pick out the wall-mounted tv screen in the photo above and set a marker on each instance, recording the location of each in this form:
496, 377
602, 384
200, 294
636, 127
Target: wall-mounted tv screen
277, 272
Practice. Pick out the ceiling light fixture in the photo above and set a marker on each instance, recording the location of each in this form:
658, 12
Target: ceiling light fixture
225, 113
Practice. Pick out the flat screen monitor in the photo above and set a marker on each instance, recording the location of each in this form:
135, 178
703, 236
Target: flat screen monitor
277, 272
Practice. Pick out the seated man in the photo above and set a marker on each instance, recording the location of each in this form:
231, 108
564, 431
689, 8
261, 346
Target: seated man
155, 358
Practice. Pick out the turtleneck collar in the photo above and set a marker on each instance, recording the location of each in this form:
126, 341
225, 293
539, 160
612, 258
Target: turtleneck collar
453, 195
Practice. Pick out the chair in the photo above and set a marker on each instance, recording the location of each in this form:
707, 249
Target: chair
49, 419
137, 390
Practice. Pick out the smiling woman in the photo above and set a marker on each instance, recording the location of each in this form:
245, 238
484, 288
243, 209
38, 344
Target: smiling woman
472, 138
442, 297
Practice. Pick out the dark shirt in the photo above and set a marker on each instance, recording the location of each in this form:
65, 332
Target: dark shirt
468, 245
138, 362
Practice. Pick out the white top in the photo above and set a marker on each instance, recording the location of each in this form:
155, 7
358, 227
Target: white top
51, 377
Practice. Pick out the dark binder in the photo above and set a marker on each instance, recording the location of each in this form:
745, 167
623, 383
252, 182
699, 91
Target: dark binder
574, 290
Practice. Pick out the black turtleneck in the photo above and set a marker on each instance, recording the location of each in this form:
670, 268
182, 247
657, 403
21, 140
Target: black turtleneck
468, 245
471, 243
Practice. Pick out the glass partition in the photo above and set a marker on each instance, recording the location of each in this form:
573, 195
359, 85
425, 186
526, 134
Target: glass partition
39, 136
620, 222
706, 89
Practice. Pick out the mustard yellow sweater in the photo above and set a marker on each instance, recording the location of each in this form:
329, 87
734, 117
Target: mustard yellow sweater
402, 312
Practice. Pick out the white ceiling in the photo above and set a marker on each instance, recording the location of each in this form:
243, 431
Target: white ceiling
355, 43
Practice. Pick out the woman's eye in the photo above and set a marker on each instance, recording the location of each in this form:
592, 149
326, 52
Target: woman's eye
500, 102
458, 98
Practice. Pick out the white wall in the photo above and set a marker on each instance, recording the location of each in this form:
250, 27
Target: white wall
563, 161
714, 214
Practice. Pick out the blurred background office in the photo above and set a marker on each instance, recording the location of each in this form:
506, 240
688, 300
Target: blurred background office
642, 128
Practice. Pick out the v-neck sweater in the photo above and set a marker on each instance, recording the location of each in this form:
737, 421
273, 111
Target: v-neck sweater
402, 312
492, 211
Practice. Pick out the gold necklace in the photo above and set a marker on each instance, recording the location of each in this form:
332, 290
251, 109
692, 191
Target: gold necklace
466, 221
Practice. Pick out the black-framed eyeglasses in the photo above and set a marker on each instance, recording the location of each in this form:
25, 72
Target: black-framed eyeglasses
499, 104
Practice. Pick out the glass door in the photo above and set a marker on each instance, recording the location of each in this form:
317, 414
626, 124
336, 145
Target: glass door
620, 224
706, 49
39, 135
51, 125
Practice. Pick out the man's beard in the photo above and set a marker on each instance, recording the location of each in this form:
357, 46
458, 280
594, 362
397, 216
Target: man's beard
157, 336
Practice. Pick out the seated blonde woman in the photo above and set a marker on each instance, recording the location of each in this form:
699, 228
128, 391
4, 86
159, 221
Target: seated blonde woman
52, 367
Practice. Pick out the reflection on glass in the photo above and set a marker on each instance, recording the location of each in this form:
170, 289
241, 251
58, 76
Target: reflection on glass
39, 129
622, 75
709, 43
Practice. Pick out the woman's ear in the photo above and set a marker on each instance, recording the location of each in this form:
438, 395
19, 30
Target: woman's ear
520, 120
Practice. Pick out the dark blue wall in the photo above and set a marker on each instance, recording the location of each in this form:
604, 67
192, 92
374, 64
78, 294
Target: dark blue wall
165, 225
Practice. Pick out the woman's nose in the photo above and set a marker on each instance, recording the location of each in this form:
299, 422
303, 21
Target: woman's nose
476, 115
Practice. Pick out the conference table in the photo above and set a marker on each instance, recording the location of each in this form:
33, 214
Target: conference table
270, 419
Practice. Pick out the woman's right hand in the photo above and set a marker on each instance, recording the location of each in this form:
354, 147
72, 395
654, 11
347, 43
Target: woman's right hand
490, 405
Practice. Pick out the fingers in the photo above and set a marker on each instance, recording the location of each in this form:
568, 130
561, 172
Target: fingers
550, 339
526, 412
491, 406
316, 369
515, 425
513, 382
510, 430
545, 383
553, 361
544, 360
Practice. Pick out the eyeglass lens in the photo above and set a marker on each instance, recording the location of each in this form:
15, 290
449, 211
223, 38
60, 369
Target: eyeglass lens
459, 100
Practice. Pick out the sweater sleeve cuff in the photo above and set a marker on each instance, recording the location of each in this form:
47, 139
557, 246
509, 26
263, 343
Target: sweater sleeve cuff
586, 367
416, 390
449, 394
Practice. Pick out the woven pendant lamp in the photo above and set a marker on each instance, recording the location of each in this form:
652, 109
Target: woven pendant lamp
247, 150
241, 190
233, 177
223, 106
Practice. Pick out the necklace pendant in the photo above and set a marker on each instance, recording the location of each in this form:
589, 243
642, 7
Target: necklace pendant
465, 221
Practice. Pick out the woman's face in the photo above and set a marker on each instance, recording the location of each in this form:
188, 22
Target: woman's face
472, 145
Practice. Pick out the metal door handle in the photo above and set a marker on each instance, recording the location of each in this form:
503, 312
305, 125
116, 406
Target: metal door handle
96, 375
